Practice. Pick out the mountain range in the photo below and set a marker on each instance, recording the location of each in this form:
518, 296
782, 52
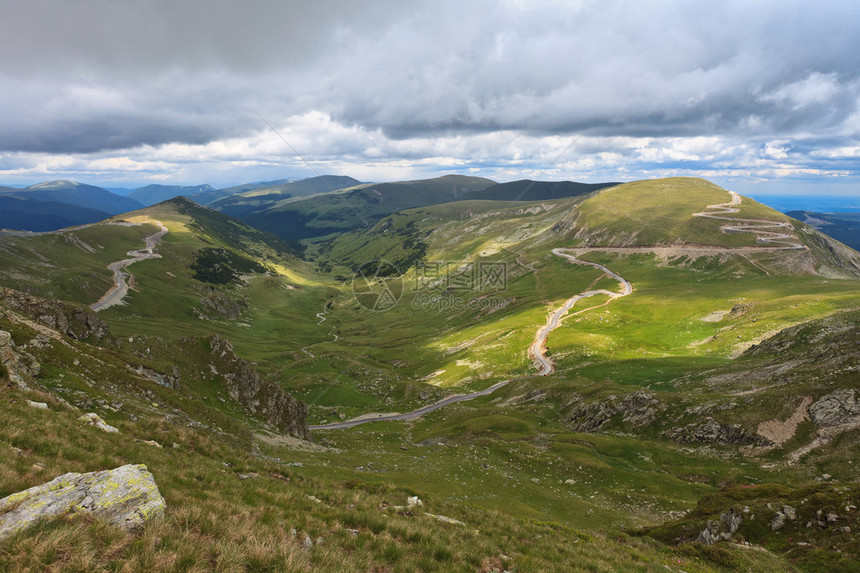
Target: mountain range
438, 375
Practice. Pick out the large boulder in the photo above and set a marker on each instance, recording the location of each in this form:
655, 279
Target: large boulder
126, 497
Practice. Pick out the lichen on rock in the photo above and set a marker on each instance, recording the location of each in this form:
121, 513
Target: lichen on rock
126, 497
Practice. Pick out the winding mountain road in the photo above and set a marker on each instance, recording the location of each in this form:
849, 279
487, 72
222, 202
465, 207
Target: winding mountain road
117, 292
762, 228
766, 232
537, 350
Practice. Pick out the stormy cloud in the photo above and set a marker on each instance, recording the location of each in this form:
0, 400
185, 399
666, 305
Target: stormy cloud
172, 90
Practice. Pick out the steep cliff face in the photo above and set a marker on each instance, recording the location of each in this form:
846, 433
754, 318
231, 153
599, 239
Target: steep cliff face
257, 395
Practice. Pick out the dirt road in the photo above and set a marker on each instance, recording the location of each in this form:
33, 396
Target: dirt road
117, 292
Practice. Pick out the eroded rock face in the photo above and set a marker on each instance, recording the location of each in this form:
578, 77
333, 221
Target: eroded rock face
834, 409
19, 367
709, 431
637, 408
257, 395
126, 497
73, 320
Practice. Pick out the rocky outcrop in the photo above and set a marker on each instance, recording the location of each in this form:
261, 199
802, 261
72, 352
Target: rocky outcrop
16, 366
171, 380
723, 529
126, 497
709, 431
835, 409
73, 320
637, 409
257, 395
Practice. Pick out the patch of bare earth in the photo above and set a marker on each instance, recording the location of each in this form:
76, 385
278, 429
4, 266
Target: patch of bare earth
779, 431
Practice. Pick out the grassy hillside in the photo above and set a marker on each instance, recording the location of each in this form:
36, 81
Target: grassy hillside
236, 492
527, 190
672, 394
660, 211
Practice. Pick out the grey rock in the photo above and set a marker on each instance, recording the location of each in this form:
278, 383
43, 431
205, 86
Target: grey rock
778, 521
307, 542
591, 416
732, 520
723, 529
37, 405
789, 512
834, 409
709, 535
72, 320
20, 367
637, 408
126, 497
94, 419
710, 431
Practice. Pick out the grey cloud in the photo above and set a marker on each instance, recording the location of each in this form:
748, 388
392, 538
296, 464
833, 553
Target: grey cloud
105, 75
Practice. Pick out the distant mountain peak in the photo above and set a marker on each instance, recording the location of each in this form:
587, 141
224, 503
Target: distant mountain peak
58, 184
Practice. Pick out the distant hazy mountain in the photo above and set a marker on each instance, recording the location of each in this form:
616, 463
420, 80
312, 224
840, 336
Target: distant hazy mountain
844, 227
77, 194
29, 215
350, 208
152, 194
208, 197
266, 196
121, 191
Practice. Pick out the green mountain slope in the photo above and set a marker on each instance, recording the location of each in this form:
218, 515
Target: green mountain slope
729, 366
527, 190
212, 195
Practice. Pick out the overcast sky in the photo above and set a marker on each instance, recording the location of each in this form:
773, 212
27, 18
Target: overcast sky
755, 95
